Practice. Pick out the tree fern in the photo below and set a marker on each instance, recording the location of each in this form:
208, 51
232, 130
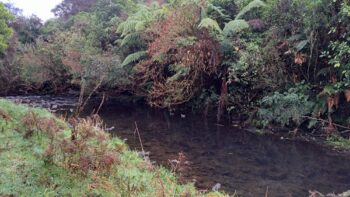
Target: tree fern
140, 20
249, 7
134, 57
238, 25
131, 28
234, 27
210, 24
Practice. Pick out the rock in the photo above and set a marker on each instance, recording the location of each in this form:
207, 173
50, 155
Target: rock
216, 187
110, 129
144, 155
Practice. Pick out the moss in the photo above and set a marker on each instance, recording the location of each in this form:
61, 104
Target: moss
24, 171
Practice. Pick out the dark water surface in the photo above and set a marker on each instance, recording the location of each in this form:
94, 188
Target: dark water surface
240, 161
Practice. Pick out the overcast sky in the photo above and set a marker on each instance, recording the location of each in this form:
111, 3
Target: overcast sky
41, 8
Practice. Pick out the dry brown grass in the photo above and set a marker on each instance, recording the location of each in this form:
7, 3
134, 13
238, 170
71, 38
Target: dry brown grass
87, 149
4, 115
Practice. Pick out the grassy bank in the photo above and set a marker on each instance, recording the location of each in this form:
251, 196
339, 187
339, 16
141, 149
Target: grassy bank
40, 155
338, 142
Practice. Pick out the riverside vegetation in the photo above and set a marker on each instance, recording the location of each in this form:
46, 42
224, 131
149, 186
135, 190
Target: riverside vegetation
272, 62
41, 155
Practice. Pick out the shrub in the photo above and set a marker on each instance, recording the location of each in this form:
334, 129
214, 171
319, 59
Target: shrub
286, 108
181, 55
88, 148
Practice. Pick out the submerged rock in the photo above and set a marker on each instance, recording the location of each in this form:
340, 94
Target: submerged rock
216, 187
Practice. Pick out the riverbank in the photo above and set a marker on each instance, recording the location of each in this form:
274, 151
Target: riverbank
40, 155
68, 103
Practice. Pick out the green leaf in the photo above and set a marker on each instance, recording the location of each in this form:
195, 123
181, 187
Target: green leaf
250, 7
300, 46
235, 26
134, 57
210, 24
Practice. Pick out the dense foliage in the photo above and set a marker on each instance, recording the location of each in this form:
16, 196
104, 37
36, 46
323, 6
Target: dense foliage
277, 61
5, 31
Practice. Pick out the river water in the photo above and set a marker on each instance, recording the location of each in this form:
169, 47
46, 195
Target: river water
242, 162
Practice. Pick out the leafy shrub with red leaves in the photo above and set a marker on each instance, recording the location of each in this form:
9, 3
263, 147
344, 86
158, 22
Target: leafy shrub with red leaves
181, 55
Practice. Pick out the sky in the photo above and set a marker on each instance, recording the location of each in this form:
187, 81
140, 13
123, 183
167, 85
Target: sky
41, 8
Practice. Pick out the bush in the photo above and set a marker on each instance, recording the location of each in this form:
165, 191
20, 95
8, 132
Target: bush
286, 108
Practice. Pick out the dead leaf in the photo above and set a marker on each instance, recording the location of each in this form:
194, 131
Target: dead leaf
330, 103
299, 59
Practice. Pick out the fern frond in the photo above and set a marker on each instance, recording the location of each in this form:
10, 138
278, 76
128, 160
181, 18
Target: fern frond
138, 22
249, 7
210, 24
218, 10
126, 26
134, 57
131, 39
234, 27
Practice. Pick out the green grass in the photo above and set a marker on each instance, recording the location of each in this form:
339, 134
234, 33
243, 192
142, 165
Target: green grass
338, 142
26, 172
